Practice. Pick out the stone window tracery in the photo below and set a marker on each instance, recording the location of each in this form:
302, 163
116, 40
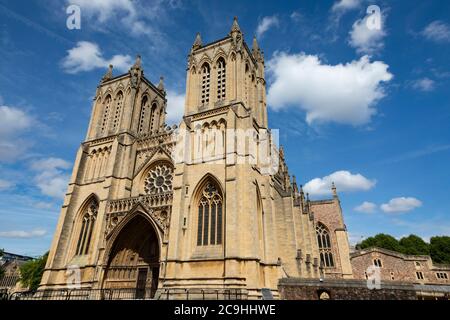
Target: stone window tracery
221, 79
159, 179
210, 216
107, 105
206, 76
144, 108
118, 112
87, 227
324, 242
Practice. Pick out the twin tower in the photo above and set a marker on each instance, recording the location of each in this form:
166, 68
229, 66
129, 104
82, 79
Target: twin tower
139, 218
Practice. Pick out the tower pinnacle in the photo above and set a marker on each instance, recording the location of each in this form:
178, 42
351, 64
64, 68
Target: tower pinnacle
197, 42
108, 74
235, 27
161, 83
333, 189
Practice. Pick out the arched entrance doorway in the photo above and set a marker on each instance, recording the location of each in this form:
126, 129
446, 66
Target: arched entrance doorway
134, 259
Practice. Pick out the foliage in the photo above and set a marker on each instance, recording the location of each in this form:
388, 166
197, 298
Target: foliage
415, 245
31, 272
440, 249
381, 240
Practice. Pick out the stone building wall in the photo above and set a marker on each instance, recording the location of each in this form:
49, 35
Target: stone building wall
304, 289
399, 267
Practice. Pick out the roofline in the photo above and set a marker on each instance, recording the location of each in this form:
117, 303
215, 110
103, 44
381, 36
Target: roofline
322, 201
388, 252
16, 255
228, 37
147, 81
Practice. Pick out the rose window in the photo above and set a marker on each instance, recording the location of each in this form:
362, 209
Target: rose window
159, 179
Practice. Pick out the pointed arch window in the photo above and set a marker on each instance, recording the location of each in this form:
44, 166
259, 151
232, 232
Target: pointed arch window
87, 227
153, 117
144, 111
107, 106
206, 76
210, 216
324, 242
221, 79
118, 112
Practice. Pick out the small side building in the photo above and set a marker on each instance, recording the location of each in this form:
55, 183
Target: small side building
429, 279
11, 264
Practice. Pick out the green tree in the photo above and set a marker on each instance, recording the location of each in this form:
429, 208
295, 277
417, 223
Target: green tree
415, 245
31, 272
440, 249
380, 240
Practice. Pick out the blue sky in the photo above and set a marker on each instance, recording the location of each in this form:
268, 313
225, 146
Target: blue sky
368, 108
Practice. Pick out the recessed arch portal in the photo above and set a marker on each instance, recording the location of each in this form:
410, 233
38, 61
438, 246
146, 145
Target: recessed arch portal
133, 262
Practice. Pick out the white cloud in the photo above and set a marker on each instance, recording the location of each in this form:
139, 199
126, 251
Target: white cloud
339, 9
13, 123
52, 176
104, 10
296, 16
437, 31
367, 40
23, 234
402, 204
344, 181
136, 17
5, 184
343, 93
424, 84
366, 207
265, 24
43, 205
354, 238
345, 5
87, 56
175, 107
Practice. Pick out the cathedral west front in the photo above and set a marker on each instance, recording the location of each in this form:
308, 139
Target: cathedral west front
206, 205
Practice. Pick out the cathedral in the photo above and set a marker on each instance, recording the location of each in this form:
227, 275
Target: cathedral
205, 205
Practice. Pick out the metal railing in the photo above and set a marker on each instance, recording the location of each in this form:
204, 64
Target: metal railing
131, 294
85, 294
203, 294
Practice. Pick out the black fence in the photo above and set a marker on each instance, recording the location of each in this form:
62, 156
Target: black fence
130, 294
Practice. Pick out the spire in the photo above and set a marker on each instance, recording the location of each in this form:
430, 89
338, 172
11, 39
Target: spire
302, 194
137, 63
281, 152
294, 186
333, 189
256, 51
136, 72
108, 74
161, 84
235, 26
255, 46
197, 42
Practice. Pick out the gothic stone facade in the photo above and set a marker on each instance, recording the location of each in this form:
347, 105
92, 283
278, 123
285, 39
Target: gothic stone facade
133, 217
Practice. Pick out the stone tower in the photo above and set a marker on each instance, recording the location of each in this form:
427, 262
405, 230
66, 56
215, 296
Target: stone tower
125, 109
230, 244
